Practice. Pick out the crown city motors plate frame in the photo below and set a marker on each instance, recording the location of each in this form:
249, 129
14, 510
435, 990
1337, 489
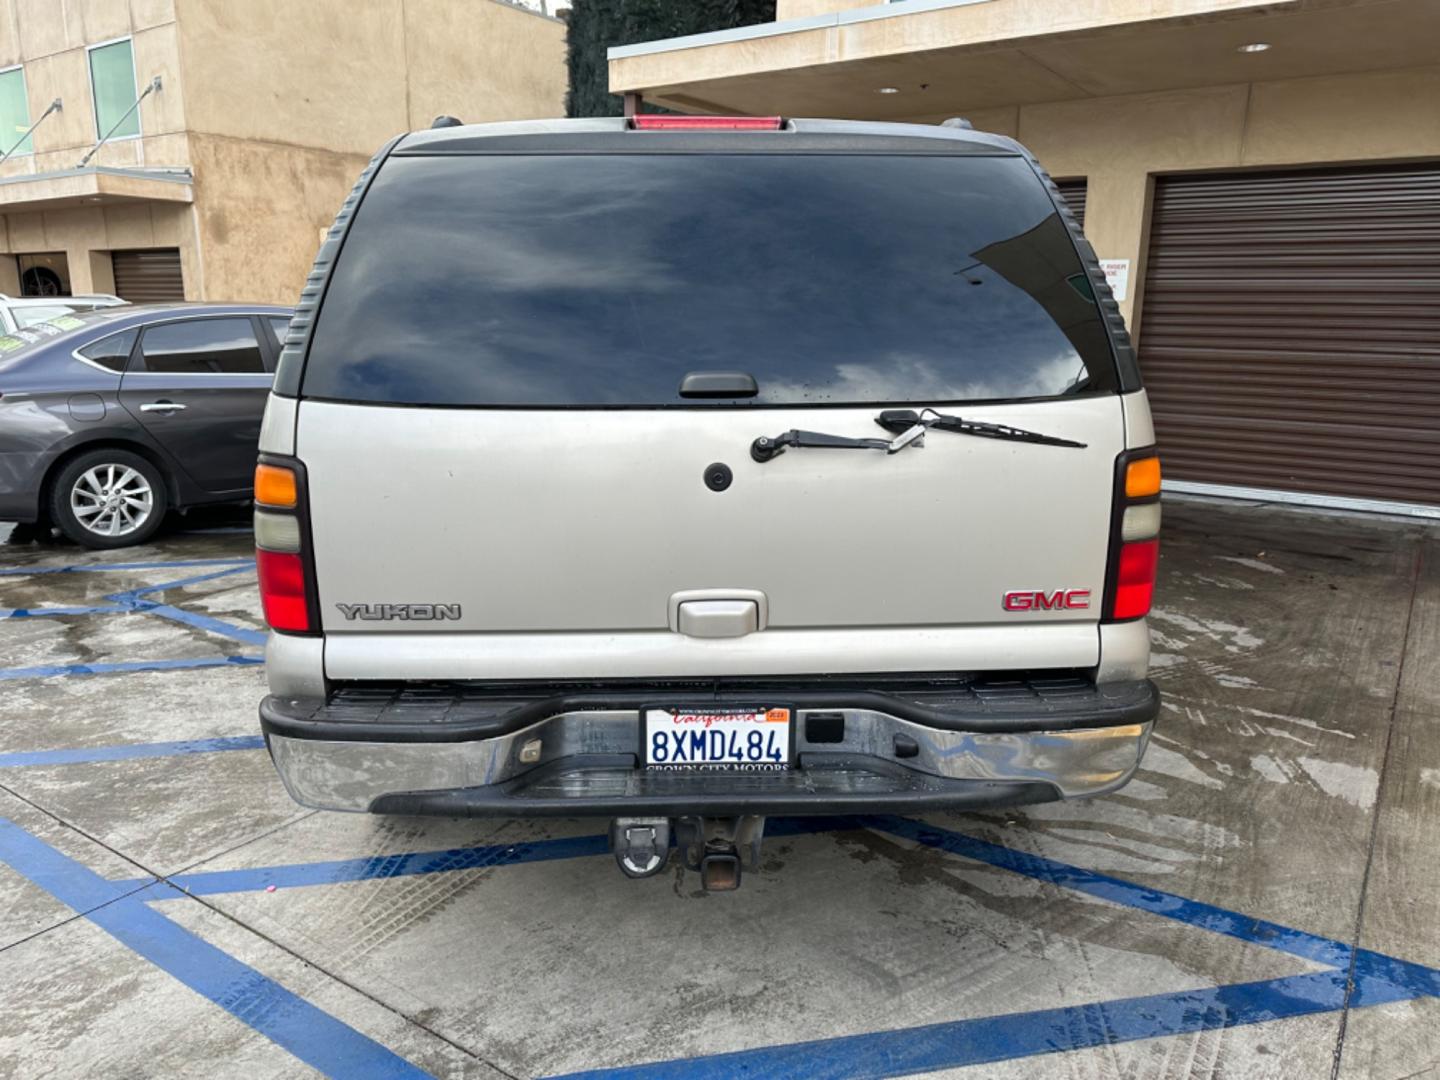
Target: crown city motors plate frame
717, 738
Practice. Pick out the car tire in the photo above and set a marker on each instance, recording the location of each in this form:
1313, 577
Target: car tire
108, 498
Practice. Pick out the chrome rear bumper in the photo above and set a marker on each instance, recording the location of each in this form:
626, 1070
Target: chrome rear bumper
584, 762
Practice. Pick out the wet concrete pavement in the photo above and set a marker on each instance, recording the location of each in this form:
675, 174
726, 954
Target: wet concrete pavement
1291, 795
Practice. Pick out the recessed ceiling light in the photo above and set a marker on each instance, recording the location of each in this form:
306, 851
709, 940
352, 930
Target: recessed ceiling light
1254, 46
888, 90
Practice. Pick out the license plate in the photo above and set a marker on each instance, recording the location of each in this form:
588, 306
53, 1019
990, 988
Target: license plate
712, 739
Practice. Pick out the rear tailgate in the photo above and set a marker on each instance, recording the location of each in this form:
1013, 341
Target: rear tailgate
867, 561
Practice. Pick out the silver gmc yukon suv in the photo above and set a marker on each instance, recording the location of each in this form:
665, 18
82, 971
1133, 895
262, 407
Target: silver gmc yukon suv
687, 470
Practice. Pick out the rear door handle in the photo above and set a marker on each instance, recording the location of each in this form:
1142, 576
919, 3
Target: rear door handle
161, 406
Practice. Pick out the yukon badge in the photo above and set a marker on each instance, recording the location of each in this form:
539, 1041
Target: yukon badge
1040, 600
409, 612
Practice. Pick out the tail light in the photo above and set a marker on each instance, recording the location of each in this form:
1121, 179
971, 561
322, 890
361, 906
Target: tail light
653, 122
282, 547
282, 590
1134, 537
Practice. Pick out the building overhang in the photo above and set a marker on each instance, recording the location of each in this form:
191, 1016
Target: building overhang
927, 59
94, 185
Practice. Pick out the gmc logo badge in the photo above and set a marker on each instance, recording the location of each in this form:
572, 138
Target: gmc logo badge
1039, 600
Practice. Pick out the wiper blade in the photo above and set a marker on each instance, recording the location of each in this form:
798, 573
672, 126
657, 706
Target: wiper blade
765, 448
929, 419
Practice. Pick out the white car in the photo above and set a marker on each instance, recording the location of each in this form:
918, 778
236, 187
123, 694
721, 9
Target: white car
18, 312
688, 470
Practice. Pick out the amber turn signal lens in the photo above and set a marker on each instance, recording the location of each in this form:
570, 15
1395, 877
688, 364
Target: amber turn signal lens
275, 486
1142, 478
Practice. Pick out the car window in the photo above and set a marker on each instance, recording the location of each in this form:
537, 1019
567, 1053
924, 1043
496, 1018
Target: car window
111, 352
30, 314
26, 336
603, 280
80, 325
202, 347
278, 324
13, 346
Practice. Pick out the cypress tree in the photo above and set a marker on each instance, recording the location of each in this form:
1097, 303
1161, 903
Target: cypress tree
595, 25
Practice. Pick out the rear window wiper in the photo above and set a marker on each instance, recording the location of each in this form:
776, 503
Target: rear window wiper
765, 448
928, 419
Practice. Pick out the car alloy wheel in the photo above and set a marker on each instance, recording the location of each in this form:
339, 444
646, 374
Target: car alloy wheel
111, 500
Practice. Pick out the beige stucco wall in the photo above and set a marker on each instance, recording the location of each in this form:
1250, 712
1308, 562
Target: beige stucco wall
1120, 143
286, 102
49, 38
260, 209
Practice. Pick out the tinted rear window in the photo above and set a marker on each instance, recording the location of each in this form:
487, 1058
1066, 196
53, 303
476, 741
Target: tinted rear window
604, 280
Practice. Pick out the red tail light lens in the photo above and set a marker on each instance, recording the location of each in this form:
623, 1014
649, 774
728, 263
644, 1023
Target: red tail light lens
1135, 579
282, 590
706, 123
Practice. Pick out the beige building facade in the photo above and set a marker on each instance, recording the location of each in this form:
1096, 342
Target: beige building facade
219, 184
1264, 173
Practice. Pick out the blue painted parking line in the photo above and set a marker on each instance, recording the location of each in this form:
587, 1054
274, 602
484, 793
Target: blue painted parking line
130, 751
129, 602
1192, 912
1377, 979
309, 1033
102, 567
130, 595
1372, 968
41, 612
296, 875
133, 602
333, 872
208, 623
200, 621
47, 670
74, 884
1374, 979
1014, 1036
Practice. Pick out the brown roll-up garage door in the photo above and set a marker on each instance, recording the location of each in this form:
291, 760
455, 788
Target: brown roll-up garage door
1290, 330
1073, 191
151, 276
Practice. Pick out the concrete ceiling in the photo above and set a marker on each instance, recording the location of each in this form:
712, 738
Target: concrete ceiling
1313, 37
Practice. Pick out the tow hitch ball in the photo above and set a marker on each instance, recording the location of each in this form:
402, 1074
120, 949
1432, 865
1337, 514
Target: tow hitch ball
715, 847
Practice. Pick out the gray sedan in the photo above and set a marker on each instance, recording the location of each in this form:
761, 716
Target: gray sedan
109, 418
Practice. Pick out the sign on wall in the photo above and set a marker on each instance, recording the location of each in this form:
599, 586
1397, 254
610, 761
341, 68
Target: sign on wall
1117, 276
